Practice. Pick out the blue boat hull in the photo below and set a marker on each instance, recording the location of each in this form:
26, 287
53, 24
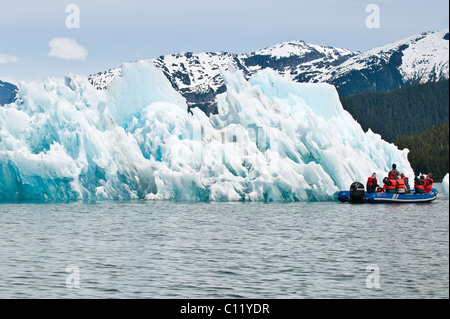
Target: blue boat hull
374, 198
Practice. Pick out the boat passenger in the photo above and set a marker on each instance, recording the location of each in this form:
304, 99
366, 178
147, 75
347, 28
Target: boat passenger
419, 184
372, 183
384, 184
393, 173
406, 180
428, 184
389, 185
400, 187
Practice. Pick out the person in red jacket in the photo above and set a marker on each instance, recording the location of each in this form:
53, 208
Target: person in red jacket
372, 183
428, 184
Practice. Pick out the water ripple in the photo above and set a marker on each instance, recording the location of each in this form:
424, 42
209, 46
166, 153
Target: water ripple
223, 250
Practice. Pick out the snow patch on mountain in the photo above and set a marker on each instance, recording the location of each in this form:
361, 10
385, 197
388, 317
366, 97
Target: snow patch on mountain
197, 76
420, 58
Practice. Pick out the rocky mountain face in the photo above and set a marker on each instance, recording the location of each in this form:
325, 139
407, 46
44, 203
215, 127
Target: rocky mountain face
8, 92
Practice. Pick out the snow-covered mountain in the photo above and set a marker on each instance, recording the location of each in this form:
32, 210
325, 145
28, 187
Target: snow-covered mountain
197, 76
417, 59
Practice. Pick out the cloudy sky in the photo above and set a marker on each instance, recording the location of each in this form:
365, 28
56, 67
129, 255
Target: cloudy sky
57, 37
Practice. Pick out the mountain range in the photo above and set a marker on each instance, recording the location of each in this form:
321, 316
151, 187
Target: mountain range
197, 76
417, 59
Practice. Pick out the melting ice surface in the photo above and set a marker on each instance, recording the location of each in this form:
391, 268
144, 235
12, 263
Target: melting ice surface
445, 185
273, 140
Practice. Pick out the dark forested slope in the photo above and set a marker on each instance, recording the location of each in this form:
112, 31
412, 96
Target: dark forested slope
403, 112
414, 117
429, 150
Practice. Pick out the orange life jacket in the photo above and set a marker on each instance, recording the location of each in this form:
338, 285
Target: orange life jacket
392, 184
400, 187
371, 181
428, 184
418, 186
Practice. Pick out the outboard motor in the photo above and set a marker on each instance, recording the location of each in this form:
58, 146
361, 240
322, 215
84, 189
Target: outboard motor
356, 192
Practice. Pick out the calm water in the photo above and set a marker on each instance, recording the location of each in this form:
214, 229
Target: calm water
142, 249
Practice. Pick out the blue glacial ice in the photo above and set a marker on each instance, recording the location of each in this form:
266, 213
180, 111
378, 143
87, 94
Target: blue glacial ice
273, 140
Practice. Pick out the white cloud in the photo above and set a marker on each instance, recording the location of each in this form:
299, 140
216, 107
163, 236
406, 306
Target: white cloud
67, 49
4, 58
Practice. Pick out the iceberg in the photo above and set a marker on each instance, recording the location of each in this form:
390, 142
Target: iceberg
445, 185
59, 142
273, 140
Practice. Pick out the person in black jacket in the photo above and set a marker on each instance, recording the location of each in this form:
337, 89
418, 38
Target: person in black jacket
419, 184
